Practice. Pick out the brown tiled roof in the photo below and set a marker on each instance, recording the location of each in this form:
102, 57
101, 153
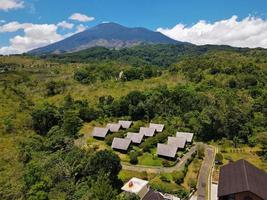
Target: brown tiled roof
149, 132
179, 142
135, 137
242, 176
153, 195
99, 132
121, 143
158, 127
125, 124
113, 127
166, 150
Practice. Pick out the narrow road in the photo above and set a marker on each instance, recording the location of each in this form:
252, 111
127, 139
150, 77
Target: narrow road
157, 170
203, 179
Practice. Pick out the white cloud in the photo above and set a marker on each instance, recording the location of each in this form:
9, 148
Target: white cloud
13, 27
35, 35
11, 4
81, 17
65, 25
249, 32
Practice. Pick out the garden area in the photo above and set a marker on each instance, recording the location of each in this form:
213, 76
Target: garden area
180, 182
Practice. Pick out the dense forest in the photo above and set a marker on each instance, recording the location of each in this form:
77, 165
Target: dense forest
217, 92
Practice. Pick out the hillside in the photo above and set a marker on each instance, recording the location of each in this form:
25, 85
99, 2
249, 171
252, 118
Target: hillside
217, 92
110, 35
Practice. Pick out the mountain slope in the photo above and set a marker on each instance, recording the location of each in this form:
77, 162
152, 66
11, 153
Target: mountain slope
110, 35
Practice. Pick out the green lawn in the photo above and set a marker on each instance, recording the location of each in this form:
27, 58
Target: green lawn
149, 159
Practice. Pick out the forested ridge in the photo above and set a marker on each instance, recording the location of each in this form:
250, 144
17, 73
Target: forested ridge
217, 92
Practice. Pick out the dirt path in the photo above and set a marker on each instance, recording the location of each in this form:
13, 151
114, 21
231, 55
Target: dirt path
157, 170
204, 173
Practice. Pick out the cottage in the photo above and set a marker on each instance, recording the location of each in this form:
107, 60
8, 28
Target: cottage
242, 181
113, 127
100, 132
166, 150
157, 127
178, 142
135, 137
148, 132
121, 144
188, 136
125, 124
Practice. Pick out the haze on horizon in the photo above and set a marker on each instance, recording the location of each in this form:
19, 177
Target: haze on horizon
29, 24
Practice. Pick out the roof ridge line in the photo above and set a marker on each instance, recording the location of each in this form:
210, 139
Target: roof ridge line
246, 177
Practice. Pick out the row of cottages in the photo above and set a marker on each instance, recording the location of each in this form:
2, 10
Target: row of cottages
170, 149
100, 132
123, 144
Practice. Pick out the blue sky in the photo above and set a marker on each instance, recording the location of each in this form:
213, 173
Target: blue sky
146, 13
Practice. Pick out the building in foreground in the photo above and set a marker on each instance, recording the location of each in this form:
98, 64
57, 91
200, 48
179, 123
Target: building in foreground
141, 188
241, 180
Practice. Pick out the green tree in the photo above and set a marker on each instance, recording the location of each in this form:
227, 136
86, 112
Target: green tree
71, 123
104, 162
102, 189
45, 118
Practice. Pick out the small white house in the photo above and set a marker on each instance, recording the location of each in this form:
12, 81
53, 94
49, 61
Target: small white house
137, 186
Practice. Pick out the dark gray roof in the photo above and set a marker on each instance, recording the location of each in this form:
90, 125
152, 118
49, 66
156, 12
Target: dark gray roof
120, 143
179, 142
242, 176
153, 195
188, 136
113, 127
125, 124
166, 150
135, 137
99, 132
149, 132
158, 127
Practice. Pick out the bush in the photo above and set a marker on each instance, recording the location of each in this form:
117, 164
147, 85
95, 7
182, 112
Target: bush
164, 178
192, 183
200, 151
178, 177
219, 158
133, 157
166, 163
182, 193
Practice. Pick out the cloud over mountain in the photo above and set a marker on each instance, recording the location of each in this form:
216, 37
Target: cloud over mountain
81, 17
249, 32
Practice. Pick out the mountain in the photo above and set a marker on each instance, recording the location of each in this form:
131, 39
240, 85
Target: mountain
109, 35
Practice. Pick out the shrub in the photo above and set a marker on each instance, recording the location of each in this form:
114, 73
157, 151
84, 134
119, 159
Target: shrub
219, 158
133, 157
178, 177
164, 178
192, 183
166, 163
